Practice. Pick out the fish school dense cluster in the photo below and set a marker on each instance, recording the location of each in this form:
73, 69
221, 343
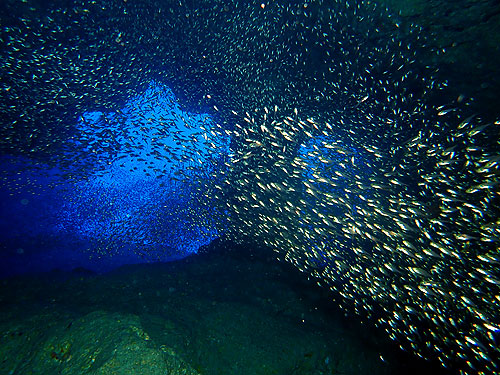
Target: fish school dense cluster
341, 157
407, 234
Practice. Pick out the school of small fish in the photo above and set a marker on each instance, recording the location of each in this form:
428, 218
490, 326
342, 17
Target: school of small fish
341, 157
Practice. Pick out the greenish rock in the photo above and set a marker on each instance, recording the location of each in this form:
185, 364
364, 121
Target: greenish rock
99, 343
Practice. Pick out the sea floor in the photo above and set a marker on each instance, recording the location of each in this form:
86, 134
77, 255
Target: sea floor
216, 313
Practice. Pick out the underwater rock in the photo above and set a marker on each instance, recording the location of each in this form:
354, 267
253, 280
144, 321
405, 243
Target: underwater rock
97, 343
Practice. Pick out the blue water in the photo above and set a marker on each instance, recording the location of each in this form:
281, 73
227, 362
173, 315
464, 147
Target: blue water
134, 207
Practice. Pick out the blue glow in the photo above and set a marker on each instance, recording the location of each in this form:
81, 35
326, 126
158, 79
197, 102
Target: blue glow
333, 166
146, 195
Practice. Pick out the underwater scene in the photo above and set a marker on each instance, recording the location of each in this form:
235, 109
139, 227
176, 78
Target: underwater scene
249, 187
